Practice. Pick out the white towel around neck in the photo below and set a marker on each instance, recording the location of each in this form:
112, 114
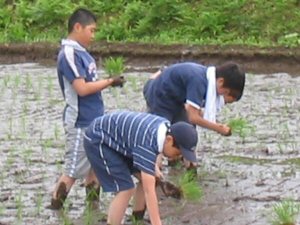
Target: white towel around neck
213, 101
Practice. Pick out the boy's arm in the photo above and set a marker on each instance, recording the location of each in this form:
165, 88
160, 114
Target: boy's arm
84, 88
148, 182
195, 116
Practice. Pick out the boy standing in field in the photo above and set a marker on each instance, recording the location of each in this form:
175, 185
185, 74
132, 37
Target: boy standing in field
124, 143
81, 89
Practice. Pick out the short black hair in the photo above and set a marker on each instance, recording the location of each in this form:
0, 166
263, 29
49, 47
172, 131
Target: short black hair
234, 78
82, 16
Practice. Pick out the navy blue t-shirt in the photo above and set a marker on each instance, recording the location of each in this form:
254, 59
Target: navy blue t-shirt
75, 62
178, 84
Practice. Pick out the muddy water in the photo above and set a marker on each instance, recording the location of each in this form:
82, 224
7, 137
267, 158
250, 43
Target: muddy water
242, 177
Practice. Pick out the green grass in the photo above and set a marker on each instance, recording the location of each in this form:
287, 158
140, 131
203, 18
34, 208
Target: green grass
222, 22
285, 213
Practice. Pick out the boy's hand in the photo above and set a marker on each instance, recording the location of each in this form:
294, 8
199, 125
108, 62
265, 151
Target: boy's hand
224, 130
158, 173
117, 81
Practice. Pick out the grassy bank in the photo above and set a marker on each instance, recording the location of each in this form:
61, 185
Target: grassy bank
248, 22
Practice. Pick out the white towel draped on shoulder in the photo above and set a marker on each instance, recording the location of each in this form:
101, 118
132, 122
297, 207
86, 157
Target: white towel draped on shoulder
213, 101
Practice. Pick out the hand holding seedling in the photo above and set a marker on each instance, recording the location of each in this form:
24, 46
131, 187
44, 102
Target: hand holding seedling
241, 127
118, 81
224, 130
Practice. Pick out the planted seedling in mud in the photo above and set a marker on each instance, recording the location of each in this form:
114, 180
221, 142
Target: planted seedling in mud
50, 86
6, 80
285, 213
241, 127
88, 215
56, 132
23, 122
17, 81
39, 201
28, 155
20, 206
189, 186
10, 128
66, 208
2, 209
28, 82
114, 66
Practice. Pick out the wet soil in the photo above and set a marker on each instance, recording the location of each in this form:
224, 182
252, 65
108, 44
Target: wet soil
241, 177
153, 56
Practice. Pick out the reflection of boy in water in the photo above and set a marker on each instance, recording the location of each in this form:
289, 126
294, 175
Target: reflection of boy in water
82, 92
123, 143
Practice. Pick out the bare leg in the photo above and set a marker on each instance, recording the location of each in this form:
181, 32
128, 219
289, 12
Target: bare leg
139, 202
118, 206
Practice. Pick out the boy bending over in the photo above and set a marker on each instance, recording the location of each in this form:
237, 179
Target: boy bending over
124, 143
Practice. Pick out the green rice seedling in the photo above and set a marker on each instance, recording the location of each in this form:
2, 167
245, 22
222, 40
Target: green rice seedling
28, 82
88, 215
114, 66
50, 86
38, 202
23, 131
136, 221
133, 82
28, 155
10, 128
17, 81
10, 158
65, 218
285, 213
189, 187
6, 80
56, 132
2, 209
20, 206
241, 127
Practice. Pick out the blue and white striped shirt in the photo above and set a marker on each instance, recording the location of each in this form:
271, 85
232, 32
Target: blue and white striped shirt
132, 134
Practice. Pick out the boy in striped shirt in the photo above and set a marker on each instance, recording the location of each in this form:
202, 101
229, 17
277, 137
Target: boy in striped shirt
124, 143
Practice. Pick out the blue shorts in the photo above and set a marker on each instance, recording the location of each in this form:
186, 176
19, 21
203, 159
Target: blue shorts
112, 169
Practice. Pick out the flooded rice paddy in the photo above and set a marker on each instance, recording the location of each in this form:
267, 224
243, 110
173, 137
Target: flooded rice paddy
242, 177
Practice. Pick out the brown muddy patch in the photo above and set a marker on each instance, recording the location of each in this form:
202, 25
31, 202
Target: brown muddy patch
241, 178
149, 57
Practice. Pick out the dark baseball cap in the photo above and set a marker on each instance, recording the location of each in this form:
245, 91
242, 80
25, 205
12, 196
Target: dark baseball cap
186, 138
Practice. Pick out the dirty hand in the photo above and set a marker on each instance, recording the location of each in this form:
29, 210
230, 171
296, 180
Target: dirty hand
158, 173
118, 81
224, 130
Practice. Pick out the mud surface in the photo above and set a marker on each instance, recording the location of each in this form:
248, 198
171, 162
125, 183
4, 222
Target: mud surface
242, 177
151, 56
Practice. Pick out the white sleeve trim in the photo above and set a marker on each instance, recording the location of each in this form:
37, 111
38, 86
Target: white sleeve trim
193, 104
161, 136
69, 52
